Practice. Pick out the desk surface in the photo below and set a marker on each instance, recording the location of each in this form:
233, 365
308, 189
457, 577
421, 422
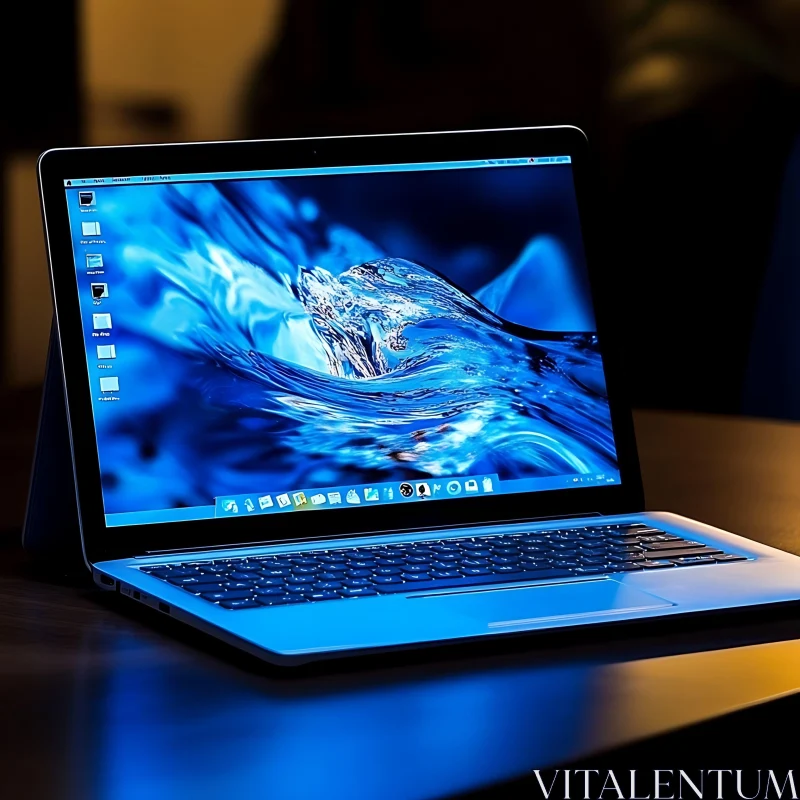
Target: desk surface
103, 699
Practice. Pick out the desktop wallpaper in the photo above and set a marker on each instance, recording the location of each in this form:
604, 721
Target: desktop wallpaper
273, 334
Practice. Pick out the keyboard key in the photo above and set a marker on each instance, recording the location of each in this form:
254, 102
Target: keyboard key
269, 591
183, 572
591, 570
157, 569
200, 588
330, 576
276, 571
680, 553
689, 561
312, 570
476, 562
592, 551
328, 558
269, 582
213, 569
504, 559
725, 557
297, 588
387, 570
322, 586
195, 579
384, 579
657, 538
323, 596
239, 604
506, 568
390, 562
357, 591
476, 571
680, 544
285, 600
359, 573
447, 573
355, 582
234, 594
363, 564
660, 564
239, 584
296, 579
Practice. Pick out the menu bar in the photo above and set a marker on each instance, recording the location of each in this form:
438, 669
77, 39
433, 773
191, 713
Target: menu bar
307, 171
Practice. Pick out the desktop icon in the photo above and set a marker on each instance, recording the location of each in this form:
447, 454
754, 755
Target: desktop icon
335, 498
423, 490
453, 487
388, 493
249, 505
101, 322
265, 502
86, 198
317, 499
487, 485
106, 351
437, 487
352, 497
90, 228
99, 290
94, 261
471, 485
406, 489
110, 384
231, 506
299, 499
370, 493
283, 500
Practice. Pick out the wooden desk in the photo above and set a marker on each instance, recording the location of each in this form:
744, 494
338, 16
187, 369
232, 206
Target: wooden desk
101, 699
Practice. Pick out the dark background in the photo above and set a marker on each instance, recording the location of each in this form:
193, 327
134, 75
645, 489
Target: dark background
692, 108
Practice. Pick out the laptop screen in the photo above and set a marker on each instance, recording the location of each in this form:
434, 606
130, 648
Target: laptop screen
286, 341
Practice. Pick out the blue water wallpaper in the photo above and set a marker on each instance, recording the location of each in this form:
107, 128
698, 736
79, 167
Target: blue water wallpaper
320, 331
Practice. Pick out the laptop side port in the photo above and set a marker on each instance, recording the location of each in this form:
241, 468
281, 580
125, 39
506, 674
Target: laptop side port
104, 581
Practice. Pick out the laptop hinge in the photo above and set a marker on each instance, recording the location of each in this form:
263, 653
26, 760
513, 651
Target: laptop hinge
367, 534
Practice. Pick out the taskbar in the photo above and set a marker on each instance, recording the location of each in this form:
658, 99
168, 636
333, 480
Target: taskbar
364, 494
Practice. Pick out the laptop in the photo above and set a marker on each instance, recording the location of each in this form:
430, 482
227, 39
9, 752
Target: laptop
336, 396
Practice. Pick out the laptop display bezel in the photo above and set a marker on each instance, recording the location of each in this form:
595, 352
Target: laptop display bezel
102, 543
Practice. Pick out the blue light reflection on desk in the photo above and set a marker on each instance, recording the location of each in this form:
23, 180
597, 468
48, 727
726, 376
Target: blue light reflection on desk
419, 738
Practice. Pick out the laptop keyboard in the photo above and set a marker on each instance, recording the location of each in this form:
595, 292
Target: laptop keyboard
317, 575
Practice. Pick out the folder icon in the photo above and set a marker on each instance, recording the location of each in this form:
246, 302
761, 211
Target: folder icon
106, 351
101, 321
90, 228
109, 384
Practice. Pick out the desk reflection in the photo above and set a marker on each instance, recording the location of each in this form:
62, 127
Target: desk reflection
201, 726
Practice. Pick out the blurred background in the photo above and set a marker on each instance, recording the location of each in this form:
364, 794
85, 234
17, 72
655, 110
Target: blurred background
692, 108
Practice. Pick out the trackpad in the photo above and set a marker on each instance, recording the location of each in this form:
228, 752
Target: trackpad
532, 605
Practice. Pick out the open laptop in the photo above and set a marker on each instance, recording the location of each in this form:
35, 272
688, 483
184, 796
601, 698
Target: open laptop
331, 396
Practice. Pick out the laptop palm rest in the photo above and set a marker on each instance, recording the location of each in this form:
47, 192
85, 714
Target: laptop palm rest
527, 605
